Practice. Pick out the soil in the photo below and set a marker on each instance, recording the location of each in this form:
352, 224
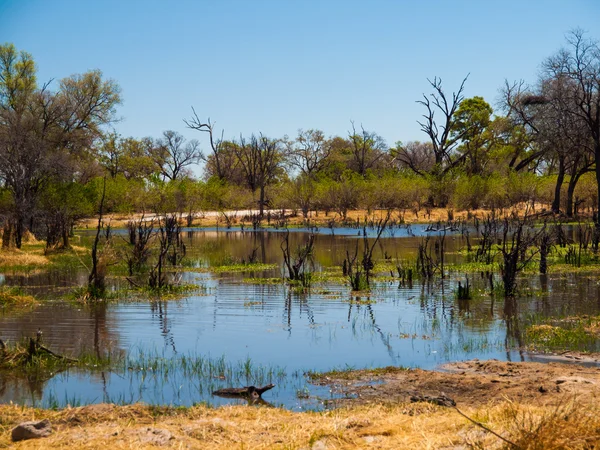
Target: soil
318, 218
469, 383
527, 404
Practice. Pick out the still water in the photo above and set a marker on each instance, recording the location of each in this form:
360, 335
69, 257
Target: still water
248, 333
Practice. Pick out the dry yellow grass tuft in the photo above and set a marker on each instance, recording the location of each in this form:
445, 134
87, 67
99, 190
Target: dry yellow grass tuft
13, 298
14, 257
406, 426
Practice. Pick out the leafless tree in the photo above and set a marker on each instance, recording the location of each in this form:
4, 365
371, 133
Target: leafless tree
416, 156
260, 158
173, 154
216, 144
443, 140
309, 152
366, 147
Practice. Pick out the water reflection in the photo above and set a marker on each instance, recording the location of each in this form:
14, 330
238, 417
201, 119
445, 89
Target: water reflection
410, 323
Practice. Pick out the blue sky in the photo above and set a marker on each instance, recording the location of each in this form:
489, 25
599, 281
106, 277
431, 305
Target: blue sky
275, 66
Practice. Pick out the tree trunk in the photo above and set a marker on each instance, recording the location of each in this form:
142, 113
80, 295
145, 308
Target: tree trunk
570, 195
65, 235
559, 182
597, 160
262, 201
7, 234
19, 230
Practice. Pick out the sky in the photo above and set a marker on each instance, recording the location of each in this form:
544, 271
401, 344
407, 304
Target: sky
272, 67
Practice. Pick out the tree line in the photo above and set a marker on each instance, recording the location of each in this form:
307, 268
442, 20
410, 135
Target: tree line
59, 153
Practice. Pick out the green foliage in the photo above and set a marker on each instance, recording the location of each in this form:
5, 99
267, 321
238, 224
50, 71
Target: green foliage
470, 193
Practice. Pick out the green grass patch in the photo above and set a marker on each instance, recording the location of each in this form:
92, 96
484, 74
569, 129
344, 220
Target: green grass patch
350, 373
574, 333
239, 268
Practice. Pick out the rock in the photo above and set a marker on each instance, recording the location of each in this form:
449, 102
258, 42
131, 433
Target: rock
31, 430
156, 436
321, 444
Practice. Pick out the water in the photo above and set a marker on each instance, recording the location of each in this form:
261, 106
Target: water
276, 331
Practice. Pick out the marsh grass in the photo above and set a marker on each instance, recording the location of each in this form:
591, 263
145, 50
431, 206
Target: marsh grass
569, 333
17, 361
351, 373
200, 367
140, 293
14, 297
266, 281
29, 258
238, 268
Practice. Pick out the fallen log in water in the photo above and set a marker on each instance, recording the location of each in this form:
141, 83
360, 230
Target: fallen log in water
245, 392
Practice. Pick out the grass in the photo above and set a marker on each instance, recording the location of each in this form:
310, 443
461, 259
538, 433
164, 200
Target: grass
29, 258
16, 361
580, 333
203, 368
14, 297
239, 268
410, 426
350, 373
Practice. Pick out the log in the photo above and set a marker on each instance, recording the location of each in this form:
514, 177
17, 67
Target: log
56, 355
246, 392
441, 400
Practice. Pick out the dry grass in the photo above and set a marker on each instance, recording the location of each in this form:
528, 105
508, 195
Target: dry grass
20, 258
13, 298
411, 426
319, 218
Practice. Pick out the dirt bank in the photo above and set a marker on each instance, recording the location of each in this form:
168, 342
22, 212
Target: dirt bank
531, 405
469, 383
317, 218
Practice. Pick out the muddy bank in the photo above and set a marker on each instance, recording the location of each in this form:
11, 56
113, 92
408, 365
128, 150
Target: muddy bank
530, 405
469, 383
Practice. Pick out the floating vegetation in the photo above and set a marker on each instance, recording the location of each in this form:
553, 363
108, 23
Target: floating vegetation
351, 373
254, 303
140, 293
570, 333
14, 297
272, 281
32, 360
238, 268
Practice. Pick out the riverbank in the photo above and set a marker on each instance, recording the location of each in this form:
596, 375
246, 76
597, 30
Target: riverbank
289, 218
531, 405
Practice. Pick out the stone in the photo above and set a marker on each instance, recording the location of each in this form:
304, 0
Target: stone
31, 430
156, 436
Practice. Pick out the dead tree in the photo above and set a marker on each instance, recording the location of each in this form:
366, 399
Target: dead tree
487, 231
168, 237
518, 236
96, 279
297, 268
359, 272
443, 136
545, 242
141, 232
216, 144
426, 265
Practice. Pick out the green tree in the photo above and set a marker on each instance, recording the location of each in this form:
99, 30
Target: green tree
43, 134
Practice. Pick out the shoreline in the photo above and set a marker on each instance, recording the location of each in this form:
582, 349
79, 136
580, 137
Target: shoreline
316, 218
378, 414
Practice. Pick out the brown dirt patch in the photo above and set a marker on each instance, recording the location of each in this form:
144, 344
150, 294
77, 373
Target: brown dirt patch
470, 383
503, 396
